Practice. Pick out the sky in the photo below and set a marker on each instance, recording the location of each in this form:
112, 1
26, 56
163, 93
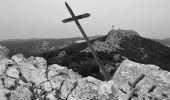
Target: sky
23, 19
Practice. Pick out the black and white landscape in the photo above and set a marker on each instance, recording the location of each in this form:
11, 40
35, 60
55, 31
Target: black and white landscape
35, 65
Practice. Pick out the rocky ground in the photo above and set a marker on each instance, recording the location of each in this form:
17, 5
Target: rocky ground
32, 79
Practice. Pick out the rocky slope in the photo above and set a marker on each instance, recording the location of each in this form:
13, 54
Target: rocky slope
32, 79
163, 41
112, 50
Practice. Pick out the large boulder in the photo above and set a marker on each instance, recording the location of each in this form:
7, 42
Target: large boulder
142, 81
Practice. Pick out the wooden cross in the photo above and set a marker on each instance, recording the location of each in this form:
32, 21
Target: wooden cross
76, 18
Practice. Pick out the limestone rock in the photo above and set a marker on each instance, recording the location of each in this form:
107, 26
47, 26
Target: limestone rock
85, 89
44, 82
9, 82
12, 72
32, 79
4, 94
56, 70
21, 93
18, 58
57, 81
51, 96
38, 62
154, 84
67, 88
47, 86
5, 63
108, 91
119, 35
31, 73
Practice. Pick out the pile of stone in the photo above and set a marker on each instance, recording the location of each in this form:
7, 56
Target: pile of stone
32, 79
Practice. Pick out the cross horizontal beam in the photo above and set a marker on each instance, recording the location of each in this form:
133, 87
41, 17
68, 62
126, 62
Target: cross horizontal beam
76, 18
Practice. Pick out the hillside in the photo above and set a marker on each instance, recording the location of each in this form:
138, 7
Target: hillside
164, 41
112, 50
37, 47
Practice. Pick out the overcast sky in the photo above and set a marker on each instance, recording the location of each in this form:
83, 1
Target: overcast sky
43, 18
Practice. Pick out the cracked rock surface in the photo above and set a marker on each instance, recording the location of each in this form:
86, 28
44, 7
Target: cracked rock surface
142, 82
32, 79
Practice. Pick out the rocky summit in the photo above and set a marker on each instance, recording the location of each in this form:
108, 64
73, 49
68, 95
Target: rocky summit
114, 40
32, 79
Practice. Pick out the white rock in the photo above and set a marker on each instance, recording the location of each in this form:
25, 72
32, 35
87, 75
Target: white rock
3, 64
21, 93
39, 62
18, 58
9, 82
12, 72
47, 86
128, 72
51, 96
67, 88
32, 74
55, 69
1, 84
3, 93
84, 89
57, 81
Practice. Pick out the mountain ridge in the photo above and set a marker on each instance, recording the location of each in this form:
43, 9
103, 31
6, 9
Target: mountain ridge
36, 47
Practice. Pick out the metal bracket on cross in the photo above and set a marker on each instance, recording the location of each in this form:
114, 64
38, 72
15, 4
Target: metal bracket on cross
76, 18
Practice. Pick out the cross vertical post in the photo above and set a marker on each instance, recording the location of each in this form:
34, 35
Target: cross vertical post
76, 18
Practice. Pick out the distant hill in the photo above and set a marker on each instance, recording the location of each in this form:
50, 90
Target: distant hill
164, 41
112, 49
37, 47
